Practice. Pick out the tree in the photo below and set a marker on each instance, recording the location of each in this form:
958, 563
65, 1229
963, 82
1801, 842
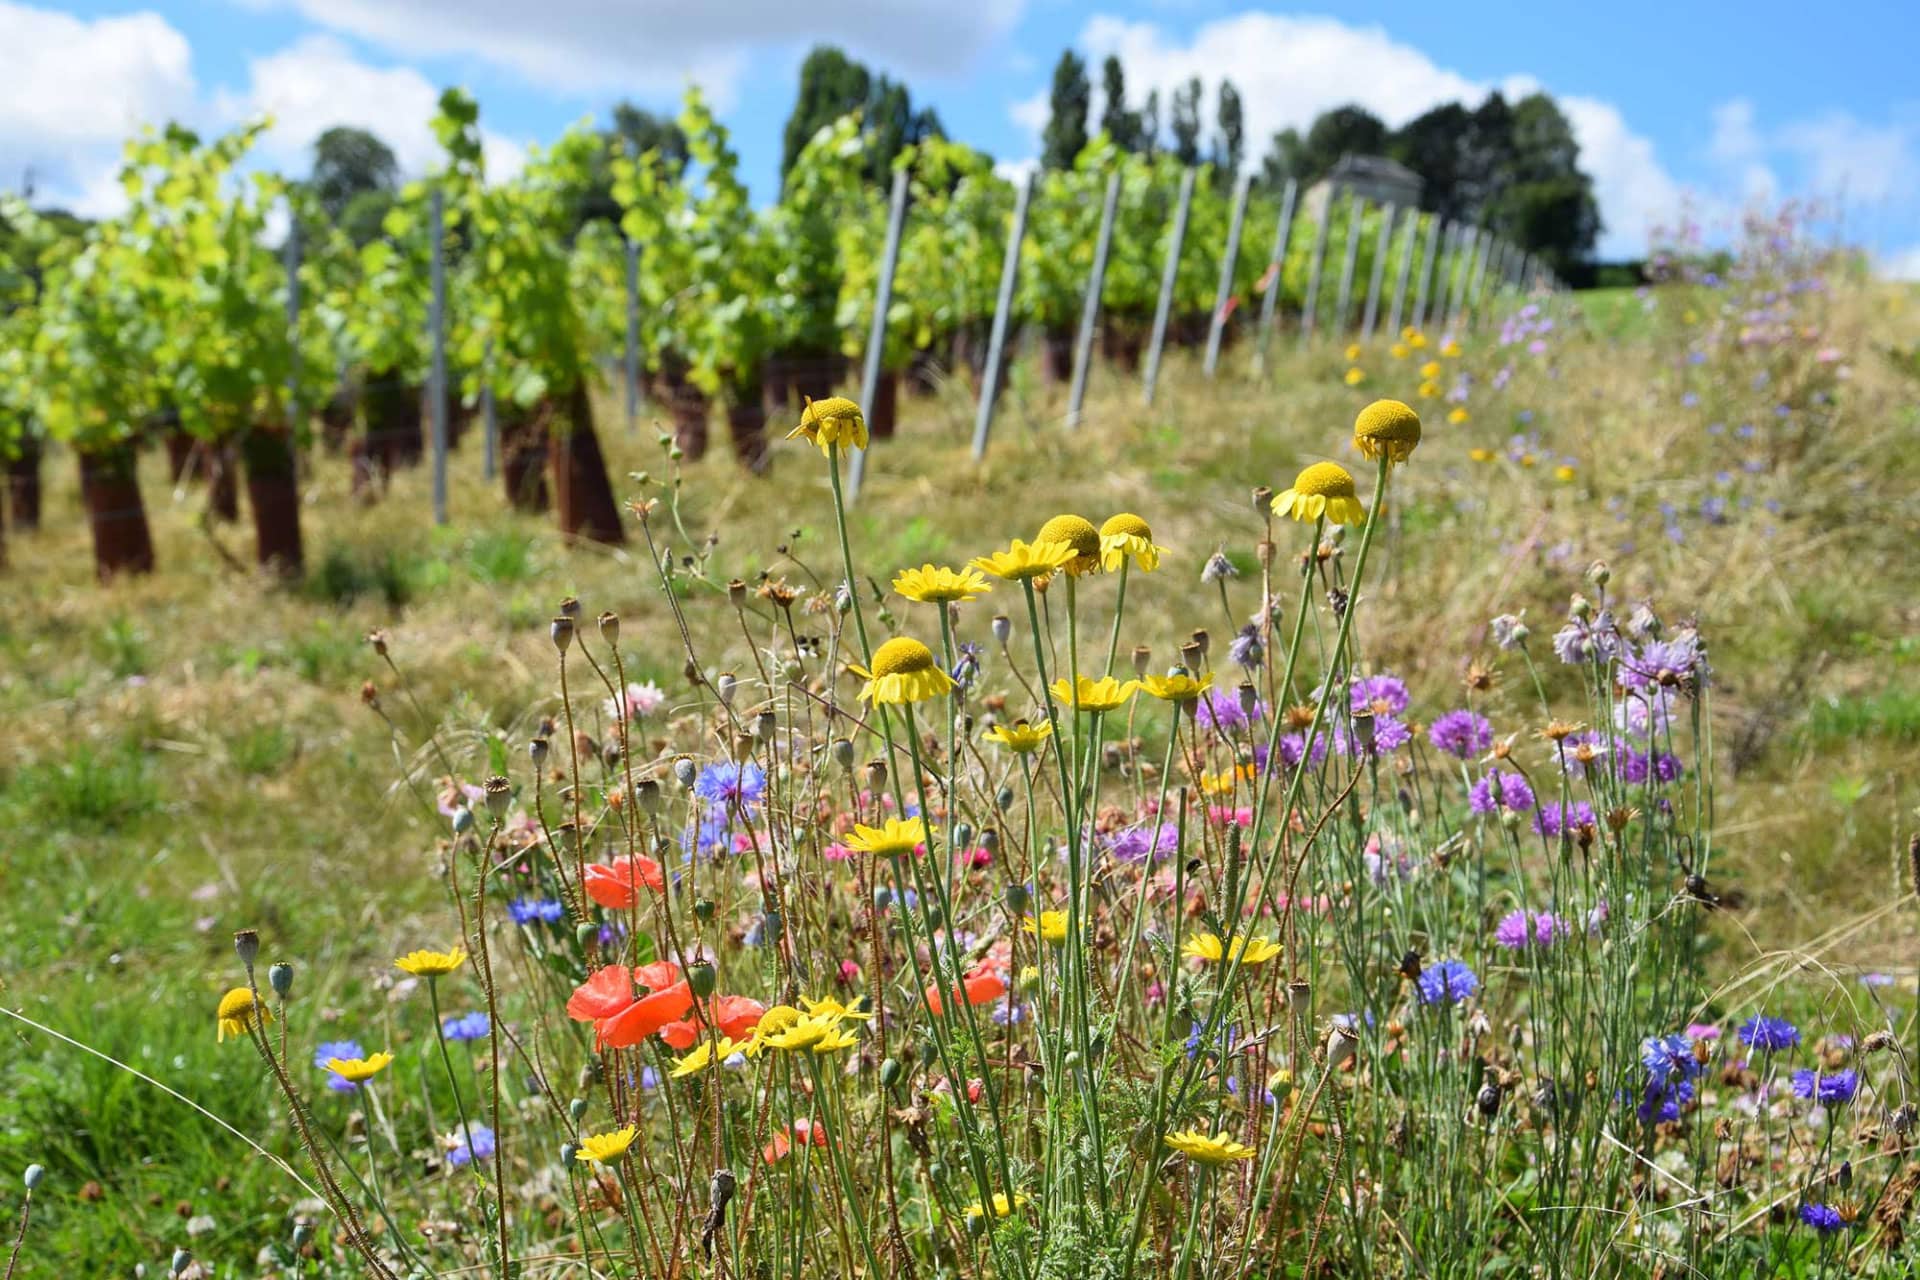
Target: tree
1186, 122
1066, 132
1486, 155
1285, 158
1230, 148
635, 132
1118, 123
1150, 124
1546, 203
831, 84
1429, 144
348, 163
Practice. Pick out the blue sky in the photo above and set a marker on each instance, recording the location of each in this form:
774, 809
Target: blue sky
1718, 104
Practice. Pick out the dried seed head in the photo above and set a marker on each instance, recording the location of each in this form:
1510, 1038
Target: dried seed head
737, 593
610, 627
570, 608
378, 639
537, 751
1341, 1042
246, 945
560, 630
1002, 629
1249, 698
1201, 639
1263, 500
369, 695
725, 687
499, 794
1300, 997
876, 775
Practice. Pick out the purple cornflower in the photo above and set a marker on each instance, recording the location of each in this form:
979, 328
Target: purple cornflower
1522, 928
1138, 842
328, 1049
1498, 791
731, 786
1769, 1035
1828, 1088
1556, 817
1823, 1218
1219, 709
1294, 744
465, 1026
1383, 694
1448, 982
461, 1153
1462, 733
536, 910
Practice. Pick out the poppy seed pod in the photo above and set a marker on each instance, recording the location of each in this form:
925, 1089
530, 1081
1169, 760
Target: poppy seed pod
763, 726
577, 1108
1263, 499
610, 627
842, 751
1142, 659
280, 978
35, 1173
182, 1259
560, 630
684, 770
1341, 1042
569, 1153
737, 593
462, 820
499, 793
302, 1234
703, 909
1002, 628
537, 751
246, 945
725, 686
1300, 996
1018, 898
700, 977
646, 793
890, 1072
1202, 641
1249, 698
876, 775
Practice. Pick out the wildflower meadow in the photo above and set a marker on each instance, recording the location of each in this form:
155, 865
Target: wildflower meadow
1432, 807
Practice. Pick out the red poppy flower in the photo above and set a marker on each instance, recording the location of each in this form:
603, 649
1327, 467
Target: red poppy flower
737, 1016
611, 883
644, 1017
806, 1131
681, 1036
978, 988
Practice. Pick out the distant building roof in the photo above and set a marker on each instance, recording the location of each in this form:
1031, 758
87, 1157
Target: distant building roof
1374, 168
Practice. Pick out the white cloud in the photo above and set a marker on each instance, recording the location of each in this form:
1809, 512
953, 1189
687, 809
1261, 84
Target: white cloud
317, 83
1290, 69
76, 89
1740, 152
1848, 160
1031, 113
575, 47
1901, 264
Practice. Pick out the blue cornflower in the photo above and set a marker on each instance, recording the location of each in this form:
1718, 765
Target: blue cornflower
328, 1049
482, 1146
1823, 1218
465, 1026
1828, 1088
1769, 1035
536, 910
1448, 982
1669, 1058
731, 786
1664, 1102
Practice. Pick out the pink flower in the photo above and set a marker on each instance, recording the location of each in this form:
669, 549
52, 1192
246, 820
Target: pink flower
639, 700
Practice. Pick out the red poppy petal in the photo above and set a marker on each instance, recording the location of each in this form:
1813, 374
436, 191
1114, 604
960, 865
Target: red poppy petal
680, 1036
602, 995
609, 887
738, 1015
657, 976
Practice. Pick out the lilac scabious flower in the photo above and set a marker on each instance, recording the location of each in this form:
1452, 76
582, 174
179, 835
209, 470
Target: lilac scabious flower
1293, 745
1556, 817
1769, 1035
1447, 982
731, 786
1644, 712
1572, 759
1389, 735
1828, 1088
1245, 650
536, 910
1138, 842
1666, 662
1823, 1218
1583, 640
1381, 694
1462, 734
330, 1049
1219, 709
465, 1026
460, 1152
1509, 630
1500, 791
1521, 929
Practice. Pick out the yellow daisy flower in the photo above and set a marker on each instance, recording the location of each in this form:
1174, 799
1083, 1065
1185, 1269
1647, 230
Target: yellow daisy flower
1051, 926
1025, 560
829, 1007
1398, 351
1451, 349
1021, 737
1429, 390
820, 1034
1563, 473
1078, 533
704, 1055
1431, 369
903, 671
1387, 429
1416, 339
772, 1022
1480, 455
1251, 951
238, 1012
1457, 415
1128, 535
359, 1069
1105, 694
1001, 1207
891, 839
835, 420
431, 964
939, 585
1219, 1150
606, 1148
1353, 352
1219, 784
1325, 488
1356, 376
1177, 686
